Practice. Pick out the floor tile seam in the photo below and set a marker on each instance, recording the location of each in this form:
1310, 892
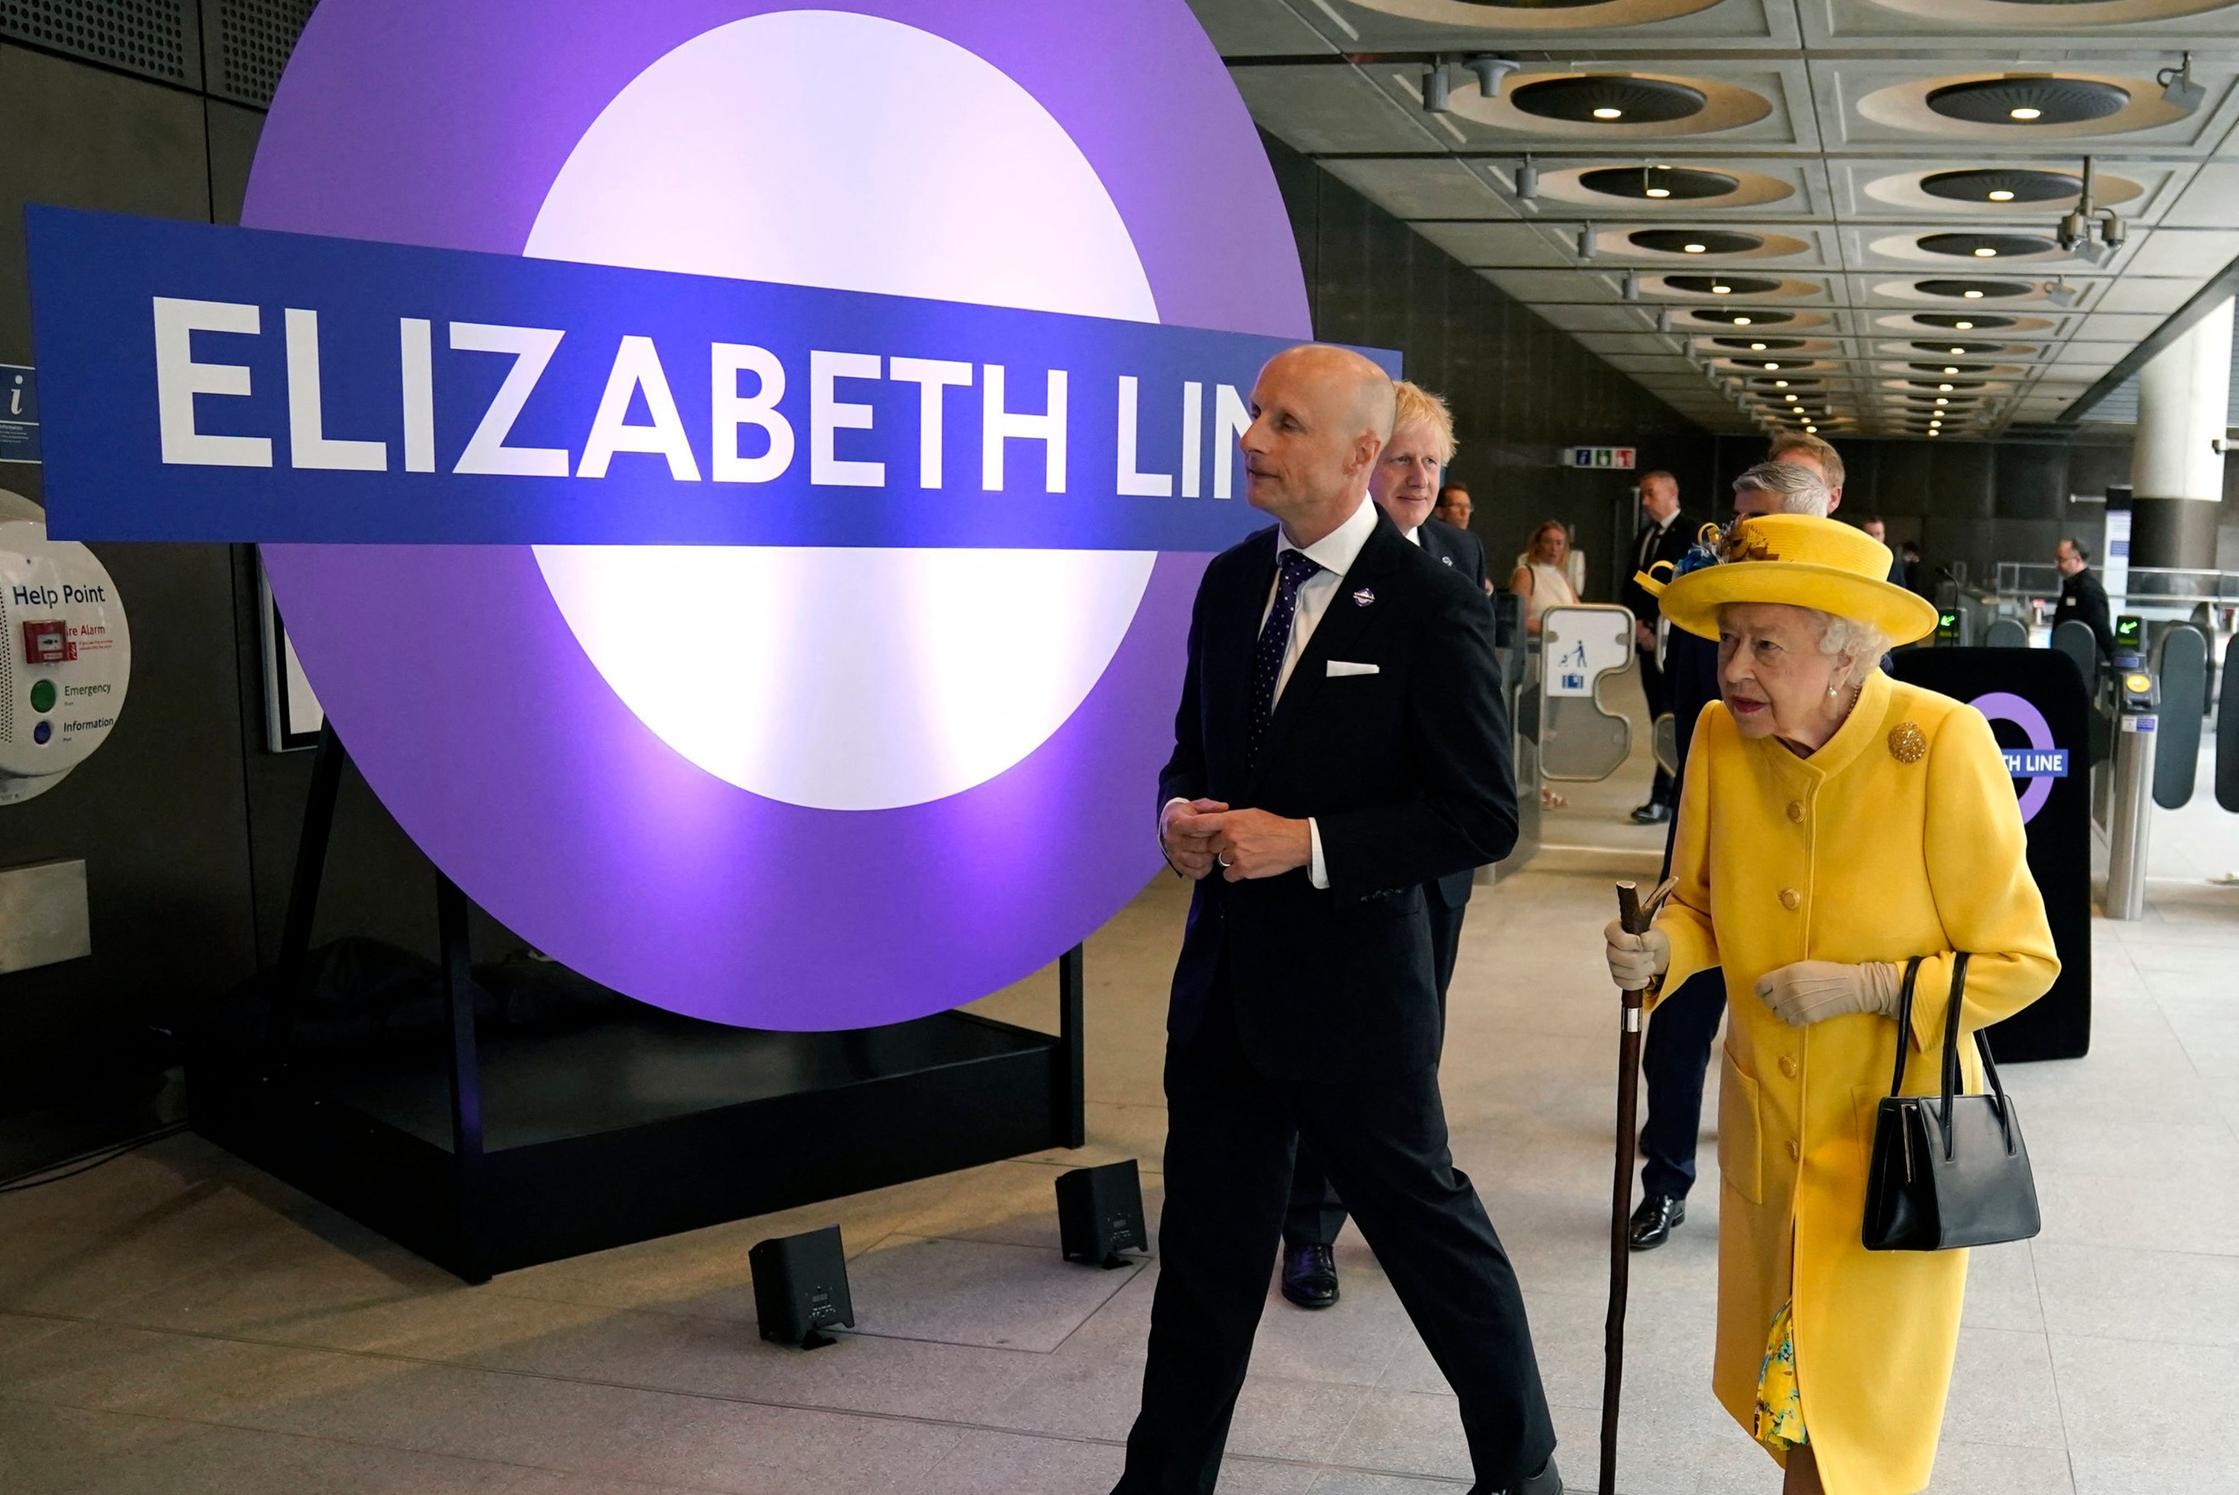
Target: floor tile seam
2158, 1344
1106, 1303
524, 1374
171, 1420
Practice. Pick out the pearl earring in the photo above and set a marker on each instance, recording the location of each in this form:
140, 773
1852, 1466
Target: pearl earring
1834, 689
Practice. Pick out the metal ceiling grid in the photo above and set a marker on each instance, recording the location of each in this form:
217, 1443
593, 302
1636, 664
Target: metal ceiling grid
1866, 164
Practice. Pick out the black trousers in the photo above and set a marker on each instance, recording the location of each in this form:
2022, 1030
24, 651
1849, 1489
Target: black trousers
1674, 1058
1230, 1122
1315, 1214
1658, 690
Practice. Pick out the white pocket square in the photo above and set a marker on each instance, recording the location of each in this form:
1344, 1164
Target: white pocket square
1339, 667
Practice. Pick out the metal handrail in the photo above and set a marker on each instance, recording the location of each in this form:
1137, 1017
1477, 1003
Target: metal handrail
2018, 579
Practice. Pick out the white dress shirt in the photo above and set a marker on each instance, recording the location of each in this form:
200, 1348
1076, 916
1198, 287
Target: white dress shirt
1335, 553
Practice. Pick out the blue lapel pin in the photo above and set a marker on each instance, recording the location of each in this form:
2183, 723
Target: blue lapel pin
1363, 597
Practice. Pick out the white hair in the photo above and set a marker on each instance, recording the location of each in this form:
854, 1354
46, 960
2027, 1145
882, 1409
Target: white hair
1799, 489
1861, 643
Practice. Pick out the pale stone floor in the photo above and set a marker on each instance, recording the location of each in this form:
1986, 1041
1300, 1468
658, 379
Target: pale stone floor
176, 1322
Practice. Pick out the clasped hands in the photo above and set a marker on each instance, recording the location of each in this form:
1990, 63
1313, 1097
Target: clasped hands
1203, 836
1806, 992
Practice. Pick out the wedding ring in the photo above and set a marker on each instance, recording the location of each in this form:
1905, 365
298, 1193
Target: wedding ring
1224, 861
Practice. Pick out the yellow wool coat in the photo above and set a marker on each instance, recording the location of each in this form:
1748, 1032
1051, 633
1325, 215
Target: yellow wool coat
1852, 854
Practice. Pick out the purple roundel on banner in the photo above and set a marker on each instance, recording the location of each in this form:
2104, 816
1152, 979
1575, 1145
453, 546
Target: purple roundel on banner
475, 687
2005, 706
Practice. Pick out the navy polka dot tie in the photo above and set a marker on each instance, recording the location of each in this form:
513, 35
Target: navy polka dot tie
1274, 640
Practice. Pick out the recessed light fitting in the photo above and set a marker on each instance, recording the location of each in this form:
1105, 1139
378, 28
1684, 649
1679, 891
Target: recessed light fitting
1608, 111
2002, 194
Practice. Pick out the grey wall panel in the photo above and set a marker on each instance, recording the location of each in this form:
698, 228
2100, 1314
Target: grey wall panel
2032, 482
1963, 479
158, 814
246, 43
187, 826
233, 146
85, 138
153, 38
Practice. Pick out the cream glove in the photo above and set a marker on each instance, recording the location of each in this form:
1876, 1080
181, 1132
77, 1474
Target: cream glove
1811, 991
1636, 960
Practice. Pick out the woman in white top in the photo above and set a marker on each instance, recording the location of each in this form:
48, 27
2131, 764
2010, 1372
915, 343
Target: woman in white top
1541, 580
1543, 583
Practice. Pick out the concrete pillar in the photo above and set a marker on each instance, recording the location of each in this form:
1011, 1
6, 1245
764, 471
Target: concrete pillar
2176, 473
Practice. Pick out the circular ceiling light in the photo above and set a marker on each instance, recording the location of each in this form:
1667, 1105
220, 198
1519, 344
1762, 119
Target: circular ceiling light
1942, 386
2035, 99
1973, 290
1721, 285
1969, 322
1742, 318
2001, 184
1948, 369
1694, 241
1758, 344
1606, 98
1683, 183
1957, 350
1986, 246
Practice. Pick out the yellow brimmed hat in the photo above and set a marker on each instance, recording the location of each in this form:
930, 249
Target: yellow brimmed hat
1799, 561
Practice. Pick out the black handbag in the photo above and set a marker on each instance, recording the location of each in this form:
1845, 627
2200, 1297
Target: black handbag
1951, 1170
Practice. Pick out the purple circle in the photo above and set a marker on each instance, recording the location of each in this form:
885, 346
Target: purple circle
2005, 706
529, 782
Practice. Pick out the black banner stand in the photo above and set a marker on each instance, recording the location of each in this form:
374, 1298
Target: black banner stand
524, 1146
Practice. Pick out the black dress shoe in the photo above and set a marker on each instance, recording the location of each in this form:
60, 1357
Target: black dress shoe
1651, 814
1310, 1276
1658, 1216
1549, 1481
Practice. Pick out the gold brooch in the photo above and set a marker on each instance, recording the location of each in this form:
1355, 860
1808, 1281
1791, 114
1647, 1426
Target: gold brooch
1906, 743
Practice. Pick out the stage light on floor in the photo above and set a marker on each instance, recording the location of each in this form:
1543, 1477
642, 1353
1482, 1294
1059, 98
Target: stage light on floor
800, 1288
1100, 1213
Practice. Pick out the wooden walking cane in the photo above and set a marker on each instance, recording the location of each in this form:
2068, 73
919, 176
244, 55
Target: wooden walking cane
1635, 917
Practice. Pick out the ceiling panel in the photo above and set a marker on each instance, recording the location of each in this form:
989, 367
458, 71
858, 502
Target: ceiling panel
1423, 187
1808, 128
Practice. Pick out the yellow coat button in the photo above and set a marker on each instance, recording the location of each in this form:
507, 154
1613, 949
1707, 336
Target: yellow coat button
1789, 1066
1796, 811
1794, 1152
1791, 900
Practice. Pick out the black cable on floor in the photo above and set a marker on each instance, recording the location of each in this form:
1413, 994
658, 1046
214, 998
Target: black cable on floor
86, 1162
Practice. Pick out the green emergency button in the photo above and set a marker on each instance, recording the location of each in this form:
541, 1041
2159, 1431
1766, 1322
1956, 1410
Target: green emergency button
42, 695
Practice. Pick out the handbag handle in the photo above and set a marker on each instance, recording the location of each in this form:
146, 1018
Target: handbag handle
1951, 1074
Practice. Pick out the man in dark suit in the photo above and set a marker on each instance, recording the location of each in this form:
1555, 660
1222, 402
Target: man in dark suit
2083, 596
1403, 484
1454, 506
1665, 535
1341, 741
1675, 1055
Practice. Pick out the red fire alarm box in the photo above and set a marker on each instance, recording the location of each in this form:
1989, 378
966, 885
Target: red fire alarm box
44, 643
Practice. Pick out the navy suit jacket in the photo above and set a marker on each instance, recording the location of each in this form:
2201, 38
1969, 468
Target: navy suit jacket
1406, 773
1451, 545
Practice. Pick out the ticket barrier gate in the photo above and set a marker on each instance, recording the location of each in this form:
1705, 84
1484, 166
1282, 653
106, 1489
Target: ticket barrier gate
2130, 821
1580, 739
1563, 732
2151, 717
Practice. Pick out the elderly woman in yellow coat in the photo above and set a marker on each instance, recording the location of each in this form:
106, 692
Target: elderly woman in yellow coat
1834, 824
